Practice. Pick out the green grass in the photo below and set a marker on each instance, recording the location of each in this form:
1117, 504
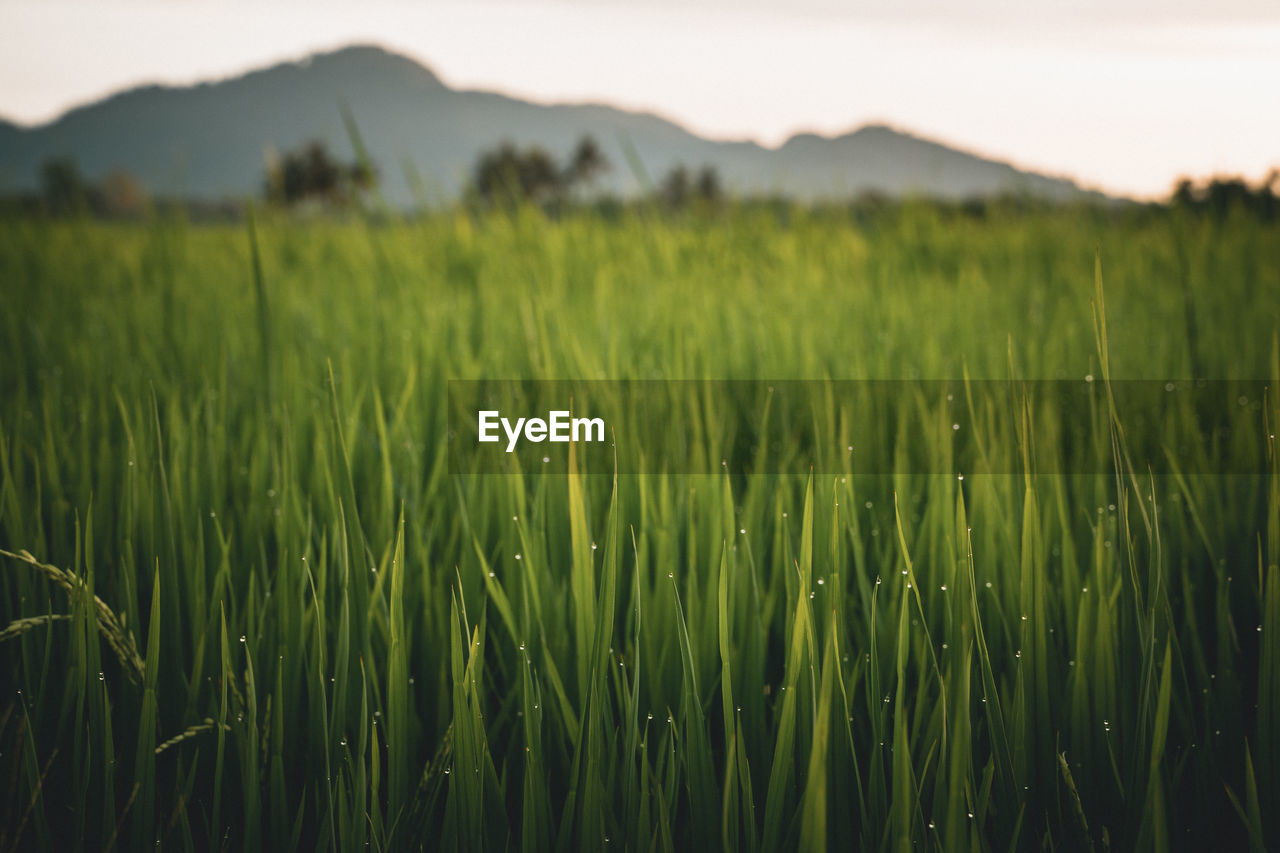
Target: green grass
244, 604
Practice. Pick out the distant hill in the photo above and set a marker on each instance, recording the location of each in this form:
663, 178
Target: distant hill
211, 140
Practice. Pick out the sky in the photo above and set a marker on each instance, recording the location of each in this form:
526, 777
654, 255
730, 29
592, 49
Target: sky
1122, 95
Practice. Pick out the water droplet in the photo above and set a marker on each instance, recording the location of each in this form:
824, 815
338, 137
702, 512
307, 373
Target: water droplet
943, 587
517, 556
821, 582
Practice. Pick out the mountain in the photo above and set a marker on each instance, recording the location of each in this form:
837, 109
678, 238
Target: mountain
211, 140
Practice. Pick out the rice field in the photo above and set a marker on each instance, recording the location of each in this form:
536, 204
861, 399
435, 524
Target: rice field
248, 602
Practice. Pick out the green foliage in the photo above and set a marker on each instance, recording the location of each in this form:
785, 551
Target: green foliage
311, 173
1220, 197
244, 605
514, 176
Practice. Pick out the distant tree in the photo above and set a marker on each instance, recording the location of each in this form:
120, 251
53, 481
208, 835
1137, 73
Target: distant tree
63, 187
587, 163
538, 178
679, 189
511, 175
708, 185
1184, 194
312, 173
1220, 195
674, 191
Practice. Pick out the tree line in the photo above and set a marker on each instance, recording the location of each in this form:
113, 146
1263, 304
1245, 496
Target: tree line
311, 177
1219, 196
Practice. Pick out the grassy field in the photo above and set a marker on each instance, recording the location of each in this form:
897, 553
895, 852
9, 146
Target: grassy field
246, 605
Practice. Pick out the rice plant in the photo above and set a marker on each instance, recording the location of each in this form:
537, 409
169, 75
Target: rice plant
246, 603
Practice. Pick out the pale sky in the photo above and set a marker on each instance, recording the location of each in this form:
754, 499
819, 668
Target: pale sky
1124, 95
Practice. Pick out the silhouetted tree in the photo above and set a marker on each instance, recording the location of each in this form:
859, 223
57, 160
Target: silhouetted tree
1219, 196
708, 185
512, 175
312, 173
63, 187
1184, 194
587, 163
679, 189
674, 190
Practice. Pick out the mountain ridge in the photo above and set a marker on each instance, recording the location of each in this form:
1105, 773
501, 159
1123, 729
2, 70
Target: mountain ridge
211, 139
